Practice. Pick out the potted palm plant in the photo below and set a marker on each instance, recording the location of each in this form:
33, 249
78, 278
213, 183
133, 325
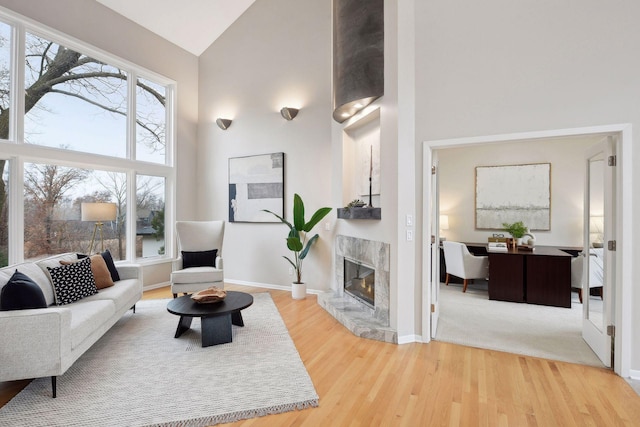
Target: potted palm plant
298, 241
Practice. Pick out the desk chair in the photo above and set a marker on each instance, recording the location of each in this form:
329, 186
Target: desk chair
198, 267
461, 263
595, 273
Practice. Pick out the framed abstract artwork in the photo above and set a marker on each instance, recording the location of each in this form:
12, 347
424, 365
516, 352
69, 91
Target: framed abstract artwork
513, 193
256, 183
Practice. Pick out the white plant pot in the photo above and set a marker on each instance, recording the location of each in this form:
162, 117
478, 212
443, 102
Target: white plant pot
298, 290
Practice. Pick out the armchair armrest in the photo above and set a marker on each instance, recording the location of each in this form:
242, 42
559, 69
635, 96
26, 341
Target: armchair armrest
177, 264
219, 263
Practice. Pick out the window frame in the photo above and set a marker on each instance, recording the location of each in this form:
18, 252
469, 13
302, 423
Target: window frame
18, 152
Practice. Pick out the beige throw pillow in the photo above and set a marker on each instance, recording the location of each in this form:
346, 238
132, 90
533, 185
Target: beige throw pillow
100, 271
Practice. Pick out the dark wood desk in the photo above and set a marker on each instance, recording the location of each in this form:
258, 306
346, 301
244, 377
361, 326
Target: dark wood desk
542, 276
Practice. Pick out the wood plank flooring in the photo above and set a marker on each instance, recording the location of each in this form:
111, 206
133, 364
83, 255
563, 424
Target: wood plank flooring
369, 383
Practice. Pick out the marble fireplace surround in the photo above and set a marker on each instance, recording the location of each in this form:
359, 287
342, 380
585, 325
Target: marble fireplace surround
360, 319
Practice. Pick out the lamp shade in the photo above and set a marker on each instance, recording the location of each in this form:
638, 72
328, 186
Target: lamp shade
444, 222
98, 211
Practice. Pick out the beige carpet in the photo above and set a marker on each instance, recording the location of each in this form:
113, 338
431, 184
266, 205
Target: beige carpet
473, 320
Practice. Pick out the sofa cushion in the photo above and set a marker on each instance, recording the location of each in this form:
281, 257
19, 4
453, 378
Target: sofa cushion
52, 261
108, 259
87, 317
35, 273
73, 282
99, 269
121, 293
197, 275
21, 293
199, 258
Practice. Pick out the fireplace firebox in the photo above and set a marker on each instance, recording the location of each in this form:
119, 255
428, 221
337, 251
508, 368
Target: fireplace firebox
359, 281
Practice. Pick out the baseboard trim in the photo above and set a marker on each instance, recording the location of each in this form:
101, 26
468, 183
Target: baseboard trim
238, 282
408, 339
155, 286
634, 374
268, 286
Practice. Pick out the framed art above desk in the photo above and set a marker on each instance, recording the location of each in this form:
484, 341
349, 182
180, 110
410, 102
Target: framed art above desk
513, 193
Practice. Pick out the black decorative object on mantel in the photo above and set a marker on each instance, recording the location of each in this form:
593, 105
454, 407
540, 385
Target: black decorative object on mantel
360, 213
370, 175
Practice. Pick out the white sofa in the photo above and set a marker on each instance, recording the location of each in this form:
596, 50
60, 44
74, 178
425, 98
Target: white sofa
47, 341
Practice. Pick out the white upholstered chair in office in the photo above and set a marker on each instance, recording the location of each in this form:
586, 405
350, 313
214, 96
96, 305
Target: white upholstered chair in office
199, 262
463, 264
596, 271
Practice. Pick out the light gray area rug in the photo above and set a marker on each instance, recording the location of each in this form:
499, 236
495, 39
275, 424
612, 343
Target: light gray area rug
139, 375
473, 320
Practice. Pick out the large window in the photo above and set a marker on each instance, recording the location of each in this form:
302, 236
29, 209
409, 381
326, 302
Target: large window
53, 197
73, 100
150, 121
92, 129
150, 221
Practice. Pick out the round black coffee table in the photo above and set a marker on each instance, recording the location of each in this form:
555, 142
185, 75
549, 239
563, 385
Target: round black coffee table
216, 318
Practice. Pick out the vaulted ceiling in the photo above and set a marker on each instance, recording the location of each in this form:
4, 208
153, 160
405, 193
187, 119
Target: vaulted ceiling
191, 24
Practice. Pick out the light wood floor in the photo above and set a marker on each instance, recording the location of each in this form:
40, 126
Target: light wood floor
369, 383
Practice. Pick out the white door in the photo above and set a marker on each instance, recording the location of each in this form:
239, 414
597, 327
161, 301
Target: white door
599, 239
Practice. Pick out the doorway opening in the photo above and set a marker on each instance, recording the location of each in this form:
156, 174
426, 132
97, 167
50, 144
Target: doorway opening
621, 133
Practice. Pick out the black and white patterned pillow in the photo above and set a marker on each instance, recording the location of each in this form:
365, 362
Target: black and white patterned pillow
73, 282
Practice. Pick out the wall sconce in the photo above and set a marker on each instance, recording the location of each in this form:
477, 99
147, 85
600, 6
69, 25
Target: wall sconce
289, 113
223, 123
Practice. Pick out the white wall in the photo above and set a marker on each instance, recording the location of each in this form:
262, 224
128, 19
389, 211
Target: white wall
457, 186
278, 53
500, 67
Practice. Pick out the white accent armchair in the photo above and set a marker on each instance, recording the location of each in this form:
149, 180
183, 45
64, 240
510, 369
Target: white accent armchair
596, 272
199, 263
461, 263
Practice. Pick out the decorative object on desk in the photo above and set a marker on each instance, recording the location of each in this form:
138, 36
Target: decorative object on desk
209, 295
531, 241
297, 240
256, 183
516, 229
497, 247
496, 237
511, 193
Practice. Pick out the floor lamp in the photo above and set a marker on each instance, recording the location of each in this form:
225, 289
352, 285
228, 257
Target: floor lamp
98, 212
